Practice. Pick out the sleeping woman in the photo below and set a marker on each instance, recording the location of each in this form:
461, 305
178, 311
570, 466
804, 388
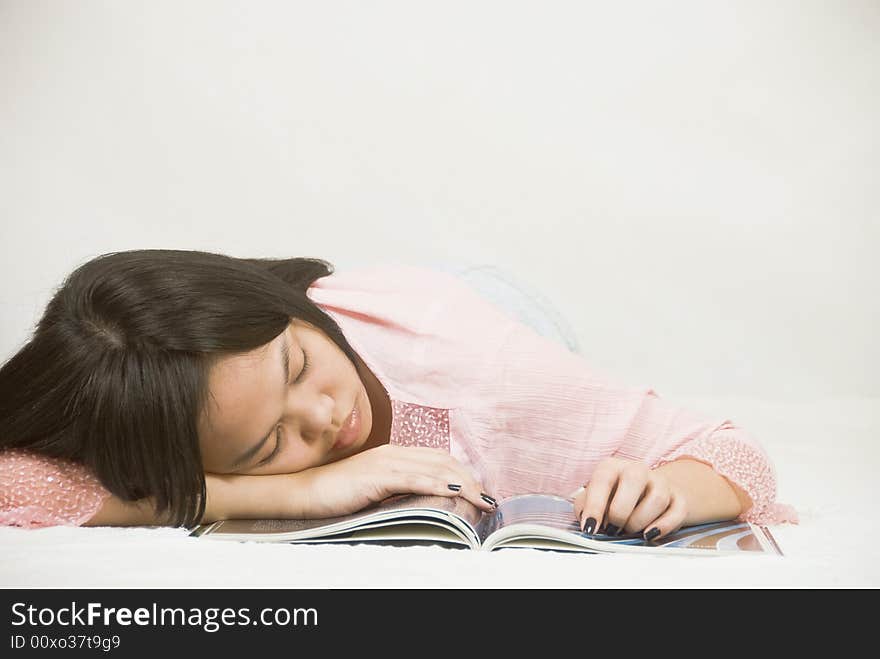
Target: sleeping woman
172, 387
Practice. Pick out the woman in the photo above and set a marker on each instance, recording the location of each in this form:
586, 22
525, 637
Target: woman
175, 387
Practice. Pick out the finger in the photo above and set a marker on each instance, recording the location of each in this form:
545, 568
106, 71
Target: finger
474, 495
417, 483
669, 522
468, 487
440, 460
596, 495
480, 499
630, 487
607, 506
472, 489
654, 501
438, 463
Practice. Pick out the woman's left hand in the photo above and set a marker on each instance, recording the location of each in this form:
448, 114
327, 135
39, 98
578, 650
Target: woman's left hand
626, 496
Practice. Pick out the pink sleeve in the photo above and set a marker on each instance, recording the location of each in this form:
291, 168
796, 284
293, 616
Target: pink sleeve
37, 491
731, 451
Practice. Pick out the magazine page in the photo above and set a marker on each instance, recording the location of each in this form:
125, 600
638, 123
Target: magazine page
545, 510
456, 512
547, 522
399, 533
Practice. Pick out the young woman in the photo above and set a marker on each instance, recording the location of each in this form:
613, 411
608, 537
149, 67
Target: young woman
176, 387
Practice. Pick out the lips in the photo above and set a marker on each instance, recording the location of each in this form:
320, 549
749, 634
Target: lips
349, 431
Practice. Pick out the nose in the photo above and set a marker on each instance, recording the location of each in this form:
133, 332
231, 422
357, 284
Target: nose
315, 417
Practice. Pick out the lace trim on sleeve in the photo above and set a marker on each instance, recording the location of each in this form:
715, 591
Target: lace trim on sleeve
38, 491
744, 465
418, 425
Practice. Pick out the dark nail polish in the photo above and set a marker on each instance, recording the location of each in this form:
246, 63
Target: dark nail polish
488, 499
611, 529
653, 533
590, 526
454, 487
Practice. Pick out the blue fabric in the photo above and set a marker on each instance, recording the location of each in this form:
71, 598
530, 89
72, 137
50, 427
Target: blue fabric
519, 299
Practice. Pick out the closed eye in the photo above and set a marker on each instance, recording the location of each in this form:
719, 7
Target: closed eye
279, 436
304, 368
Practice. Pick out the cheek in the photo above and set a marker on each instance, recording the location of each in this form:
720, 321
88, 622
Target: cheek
366, 414
294, 456
214, 460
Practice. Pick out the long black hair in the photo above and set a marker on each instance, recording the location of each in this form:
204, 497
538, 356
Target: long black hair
115, 375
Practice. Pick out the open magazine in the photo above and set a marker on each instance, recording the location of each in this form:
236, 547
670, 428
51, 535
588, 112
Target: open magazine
536, 521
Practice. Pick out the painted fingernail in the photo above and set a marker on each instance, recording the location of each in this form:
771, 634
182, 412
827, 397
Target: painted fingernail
590, 526
611, 529
653, 533
485, 497
454, 487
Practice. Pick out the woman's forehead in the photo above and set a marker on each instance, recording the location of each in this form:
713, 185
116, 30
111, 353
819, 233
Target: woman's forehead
239, 385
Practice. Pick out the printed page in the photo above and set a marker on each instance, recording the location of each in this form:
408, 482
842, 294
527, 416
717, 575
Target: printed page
398, 533
554, 517
397, 506
546, 510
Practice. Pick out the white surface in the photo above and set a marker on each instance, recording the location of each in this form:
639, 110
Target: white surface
826, 454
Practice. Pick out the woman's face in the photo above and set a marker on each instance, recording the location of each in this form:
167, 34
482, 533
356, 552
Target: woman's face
263, 419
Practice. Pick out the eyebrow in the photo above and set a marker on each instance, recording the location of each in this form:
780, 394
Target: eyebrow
248, 455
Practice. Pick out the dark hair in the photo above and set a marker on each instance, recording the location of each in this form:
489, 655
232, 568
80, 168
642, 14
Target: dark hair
115, 375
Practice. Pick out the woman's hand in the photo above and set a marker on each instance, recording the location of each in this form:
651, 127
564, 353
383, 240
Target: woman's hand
353, 483
625, 496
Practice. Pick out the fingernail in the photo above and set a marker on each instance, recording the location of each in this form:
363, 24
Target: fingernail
454, 487
653, 533
611, 529
590, 526
488, 499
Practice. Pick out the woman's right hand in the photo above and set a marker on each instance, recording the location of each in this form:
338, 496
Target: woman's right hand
353, 483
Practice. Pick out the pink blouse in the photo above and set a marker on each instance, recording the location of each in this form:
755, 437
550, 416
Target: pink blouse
524, 413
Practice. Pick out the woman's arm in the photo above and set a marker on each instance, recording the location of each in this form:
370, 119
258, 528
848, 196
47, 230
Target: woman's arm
236, 496
338, 488
345, 486
228, 497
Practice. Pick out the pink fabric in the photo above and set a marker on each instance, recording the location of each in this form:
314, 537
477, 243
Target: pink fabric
417, 425
37, 491
523, 412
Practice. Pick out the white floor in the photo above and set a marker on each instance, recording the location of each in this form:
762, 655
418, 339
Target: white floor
826, 454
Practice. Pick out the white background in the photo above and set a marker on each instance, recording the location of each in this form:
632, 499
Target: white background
695, 184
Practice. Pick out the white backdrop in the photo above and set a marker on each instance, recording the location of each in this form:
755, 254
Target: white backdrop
695, 184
